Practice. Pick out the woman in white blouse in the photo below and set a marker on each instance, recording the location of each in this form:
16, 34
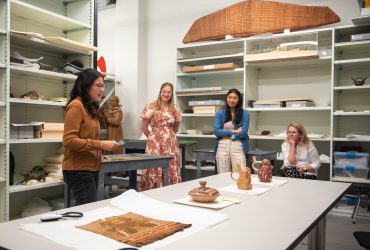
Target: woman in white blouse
301, 159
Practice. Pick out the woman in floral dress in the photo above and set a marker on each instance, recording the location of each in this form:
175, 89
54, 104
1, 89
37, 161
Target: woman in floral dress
164, 119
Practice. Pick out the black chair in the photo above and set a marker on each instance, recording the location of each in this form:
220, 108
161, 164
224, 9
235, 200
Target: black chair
363, 238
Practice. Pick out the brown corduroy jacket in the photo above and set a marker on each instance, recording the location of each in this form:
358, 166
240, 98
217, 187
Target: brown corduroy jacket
82, 147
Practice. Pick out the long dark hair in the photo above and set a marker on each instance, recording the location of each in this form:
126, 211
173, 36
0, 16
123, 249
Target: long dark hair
81, 87
238, 107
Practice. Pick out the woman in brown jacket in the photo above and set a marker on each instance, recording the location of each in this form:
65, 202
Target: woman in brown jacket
82, 146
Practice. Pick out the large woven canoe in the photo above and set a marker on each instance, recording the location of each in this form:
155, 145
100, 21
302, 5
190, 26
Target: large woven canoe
254, 17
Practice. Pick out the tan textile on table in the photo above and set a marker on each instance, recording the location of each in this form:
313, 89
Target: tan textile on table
134, 229
253, 17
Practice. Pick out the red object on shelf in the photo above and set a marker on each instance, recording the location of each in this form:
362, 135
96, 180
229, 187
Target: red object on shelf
102, 66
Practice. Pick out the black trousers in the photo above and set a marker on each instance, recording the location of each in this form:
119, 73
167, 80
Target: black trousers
83, 185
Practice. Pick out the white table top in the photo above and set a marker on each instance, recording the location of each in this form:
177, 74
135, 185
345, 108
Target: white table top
277, 219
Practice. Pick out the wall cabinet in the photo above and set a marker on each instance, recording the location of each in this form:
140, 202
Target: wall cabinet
66, 19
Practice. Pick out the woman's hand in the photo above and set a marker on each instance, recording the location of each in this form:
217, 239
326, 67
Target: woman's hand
291, 142
304, 169
110, 145
234, 131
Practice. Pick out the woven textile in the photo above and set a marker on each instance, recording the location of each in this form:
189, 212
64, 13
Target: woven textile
134, 229
254, 17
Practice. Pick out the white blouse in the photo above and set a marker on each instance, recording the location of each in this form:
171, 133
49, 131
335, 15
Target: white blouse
304, 155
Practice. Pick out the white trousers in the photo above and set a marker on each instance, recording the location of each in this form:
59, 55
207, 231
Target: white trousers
229, 153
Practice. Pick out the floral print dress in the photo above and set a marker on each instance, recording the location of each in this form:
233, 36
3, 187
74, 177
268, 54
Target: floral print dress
161, 141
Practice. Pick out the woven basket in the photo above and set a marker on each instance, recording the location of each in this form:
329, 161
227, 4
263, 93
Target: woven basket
254, 17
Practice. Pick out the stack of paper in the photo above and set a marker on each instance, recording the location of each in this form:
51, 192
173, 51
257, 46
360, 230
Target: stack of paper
211, 109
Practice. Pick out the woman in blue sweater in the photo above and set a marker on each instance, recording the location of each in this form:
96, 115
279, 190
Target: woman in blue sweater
231, 129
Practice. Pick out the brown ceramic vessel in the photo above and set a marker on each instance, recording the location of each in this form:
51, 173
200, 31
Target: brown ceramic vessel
203, 193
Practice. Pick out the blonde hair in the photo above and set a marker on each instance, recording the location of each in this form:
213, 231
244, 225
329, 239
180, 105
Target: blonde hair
302, 132
158, 102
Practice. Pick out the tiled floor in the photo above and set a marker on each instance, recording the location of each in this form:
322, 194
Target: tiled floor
339, 233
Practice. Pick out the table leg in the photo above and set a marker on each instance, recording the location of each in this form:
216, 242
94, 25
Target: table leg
199, 166
100, 191
132, 179
182, 162
166, 174
316, 238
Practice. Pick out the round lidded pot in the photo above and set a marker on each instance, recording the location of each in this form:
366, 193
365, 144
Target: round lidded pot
203, 193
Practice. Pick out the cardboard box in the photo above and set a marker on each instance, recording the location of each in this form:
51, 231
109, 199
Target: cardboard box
52, 130
24, 130
220, 66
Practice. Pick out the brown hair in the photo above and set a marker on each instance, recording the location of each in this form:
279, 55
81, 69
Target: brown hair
302, 132
170, 104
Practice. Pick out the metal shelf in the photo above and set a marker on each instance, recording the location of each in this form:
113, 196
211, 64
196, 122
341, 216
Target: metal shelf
23, 188
38, 44
220, 73
351, 113
231, 57
205, 94
290, 109
36, 102
42, 73
354, 88
352, 61
39, 15
29, 141
345, 139
297, 63
351, 180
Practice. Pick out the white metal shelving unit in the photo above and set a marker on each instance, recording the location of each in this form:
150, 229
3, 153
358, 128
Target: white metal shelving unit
207, 53
293, 78
67, 19
4, 110
325, 79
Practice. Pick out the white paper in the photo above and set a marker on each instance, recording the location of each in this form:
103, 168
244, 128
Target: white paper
253, 191
134, 202
273, 183
66, 233
219, 203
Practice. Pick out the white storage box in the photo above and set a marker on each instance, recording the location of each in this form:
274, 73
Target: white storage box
298, 104
351, 159
360, 37
351, 171
207, 103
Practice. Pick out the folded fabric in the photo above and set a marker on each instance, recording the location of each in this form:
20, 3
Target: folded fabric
134, 229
